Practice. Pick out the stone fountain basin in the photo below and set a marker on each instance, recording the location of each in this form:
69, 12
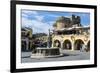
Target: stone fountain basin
46, 52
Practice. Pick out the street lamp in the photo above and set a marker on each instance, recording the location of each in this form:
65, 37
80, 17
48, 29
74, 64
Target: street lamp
48, 43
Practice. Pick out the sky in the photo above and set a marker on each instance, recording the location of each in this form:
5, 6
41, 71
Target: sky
41, 21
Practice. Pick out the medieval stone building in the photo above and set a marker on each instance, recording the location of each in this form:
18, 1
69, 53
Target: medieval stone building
69, 34
26, 39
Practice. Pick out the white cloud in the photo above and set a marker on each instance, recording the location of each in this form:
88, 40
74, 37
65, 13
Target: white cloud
29, 12
39, 18
52, 15
37, 25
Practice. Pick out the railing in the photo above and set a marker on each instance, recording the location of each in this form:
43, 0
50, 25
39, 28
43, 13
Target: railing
75, 35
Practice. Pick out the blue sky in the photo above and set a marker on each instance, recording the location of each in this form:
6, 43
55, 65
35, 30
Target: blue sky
41, 21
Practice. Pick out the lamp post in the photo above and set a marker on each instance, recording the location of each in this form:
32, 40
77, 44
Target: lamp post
48, 42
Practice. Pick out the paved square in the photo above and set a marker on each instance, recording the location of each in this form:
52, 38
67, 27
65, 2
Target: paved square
67, 56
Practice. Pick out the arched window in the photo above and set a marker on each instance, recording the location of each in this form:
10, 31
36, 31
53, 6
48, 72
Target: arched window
57, 43
78, 44
67, 45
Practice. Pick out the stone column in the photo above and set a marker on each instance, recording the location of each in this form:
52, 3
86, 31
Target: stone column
73, 40
61, 44
61, 49
72, 45
52, 44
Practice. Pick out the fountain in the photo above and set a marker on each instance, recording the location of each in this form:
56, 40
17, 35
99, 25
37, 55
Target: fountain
47, 51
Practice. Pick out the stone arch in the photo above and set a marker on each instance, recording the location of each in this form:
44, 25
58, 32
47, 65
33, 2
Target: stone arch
78, 44
88, 46
23, 45
67, 45
57, 43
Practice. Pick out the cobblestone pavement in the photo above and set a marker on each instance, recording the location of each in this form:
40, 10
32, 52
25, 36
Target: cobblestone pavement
68, 56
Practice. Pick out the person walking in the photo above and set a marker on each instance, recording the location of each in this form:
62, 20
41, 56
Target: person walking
82, 48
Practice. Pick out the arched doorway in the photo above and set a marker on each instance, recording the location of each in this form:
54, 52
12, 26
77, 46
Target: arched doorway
23, 45
78, 44
88, 46
67, 45
57, 43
